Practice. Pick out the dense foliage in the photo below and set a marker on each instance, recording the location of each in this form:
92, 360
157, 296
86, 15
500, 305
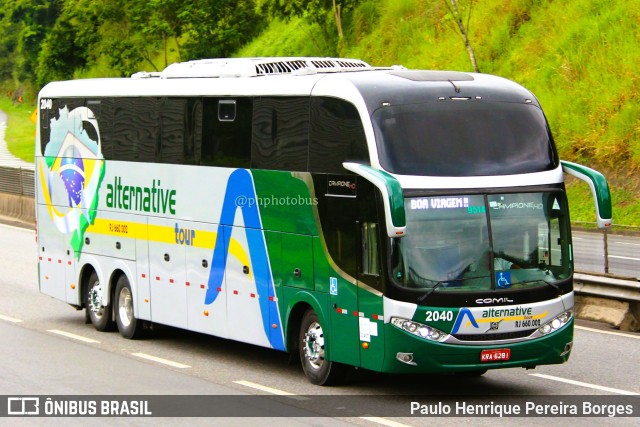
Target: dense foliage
44, 40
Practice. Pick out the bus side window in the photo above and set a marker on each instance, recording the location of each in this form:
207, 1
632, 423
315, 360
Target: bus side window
280, 134
336, 135
226, 132
53, 113
135, 129
370, 258
370, 249
173, 130
181, 130
102, 110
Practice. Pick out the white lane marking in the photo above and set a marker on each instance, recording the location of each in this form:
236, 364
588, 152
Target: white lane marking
271, 390
384, 421
378, 420
73, 336
620, 334
581, 384
624, 257
161, 360
10, 319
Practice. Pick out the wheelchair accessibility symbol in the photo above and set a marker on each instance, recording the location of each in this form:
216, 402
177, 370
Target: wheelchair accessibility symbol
503, 279
333, 285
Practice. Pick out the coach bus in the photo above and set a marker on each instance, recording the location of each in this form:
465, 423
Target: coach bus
396, 220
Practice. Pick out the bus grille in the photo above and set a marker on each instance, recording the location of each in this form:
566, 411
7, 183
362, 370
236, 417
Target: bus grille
495, 337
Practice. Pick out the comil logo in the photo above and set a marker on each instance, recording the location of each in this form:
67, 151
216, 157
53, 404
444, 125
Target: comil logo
493, 300
23, 406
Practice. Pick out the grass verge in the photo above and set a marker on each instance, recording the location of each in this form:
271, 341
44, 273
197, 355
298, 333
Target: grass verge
21, 131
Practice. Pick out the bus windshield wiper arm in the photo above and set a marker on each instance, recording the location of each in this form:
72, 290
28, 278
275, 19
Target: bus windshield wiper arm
424, 296
553, 285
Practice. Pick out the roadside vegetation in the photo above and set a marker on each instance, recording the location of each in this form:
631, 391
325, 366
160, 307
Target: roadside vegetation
580, 57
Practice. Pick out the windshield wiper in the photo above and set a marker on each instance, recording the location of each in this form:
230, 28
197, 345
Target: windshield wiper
553, 285
424, 296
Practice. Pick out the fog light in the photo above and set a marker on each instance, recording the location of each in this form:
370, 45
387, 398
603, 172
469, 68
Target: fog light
567, 348
406, 358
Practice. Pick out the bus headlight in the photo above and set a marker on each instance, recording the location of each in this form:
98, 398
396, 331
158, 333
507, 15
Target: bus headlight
418, 329
556, 323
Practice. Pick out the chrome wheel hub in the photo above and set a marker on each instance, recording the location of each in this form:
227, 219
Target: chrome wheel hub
314, 345
125, 307
95, 299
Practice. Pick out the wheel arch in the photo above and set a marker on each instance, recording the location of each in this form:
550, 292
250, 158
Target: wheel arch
298, 306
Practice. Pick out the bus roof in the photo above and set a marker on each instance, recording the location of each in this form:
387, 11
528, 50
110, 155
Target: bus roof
300, 76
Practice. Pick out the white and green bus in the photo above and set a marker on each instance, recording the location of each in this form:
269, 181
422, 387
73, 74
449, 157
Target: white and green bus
397, 220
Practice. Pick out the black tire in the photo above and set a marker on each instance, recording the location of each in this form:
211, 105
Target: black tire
128, 325
311, 346
98, 314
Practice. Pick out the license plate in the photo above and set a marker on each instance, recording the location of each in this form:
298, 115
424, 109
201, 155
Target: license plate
495, 355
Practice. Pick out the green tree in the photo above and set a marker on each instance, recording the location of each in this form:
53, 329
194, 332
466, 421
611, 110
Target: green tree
67, 45
456, 13
30, 21
217, 28
8, 41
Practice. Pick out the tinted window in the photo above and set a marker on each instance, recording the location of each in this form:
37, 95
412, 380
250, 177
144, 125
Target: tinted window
463, 138
280, 134
173, 130
336, 136
181, 130
351, 227
53, 113
135, 132
226, 137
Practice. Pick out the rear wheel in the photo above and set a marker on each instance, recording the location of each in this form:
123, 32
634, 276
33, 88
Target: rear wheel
98, 314
128, 325
312, 344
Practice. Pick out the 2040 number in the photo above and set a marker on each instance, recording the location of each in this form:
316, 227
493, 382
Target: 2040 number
46, 104
439, 316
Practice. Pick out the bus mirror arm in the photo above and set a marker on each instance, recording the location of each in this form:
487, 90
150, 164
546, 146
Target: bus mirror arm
392, 196
599, 188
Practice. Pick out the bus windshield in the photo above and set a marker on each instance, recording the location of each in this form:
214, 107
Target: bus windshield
463, 138
483, 242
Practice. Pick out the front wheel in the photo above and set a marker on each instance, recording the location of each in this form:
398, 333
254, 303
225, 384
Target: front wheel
312, 353
98, 314
128, 325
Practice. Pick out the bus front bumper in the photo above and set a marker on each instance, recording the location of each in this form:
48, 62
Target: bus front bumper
406, 353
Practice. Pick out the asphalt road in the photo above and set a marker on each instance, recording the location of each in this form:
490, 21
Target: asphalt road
47, 349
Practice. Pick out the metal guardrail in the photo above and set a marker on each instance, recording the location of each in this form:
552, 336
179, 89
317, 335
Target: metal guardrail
606, 287
18, 181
